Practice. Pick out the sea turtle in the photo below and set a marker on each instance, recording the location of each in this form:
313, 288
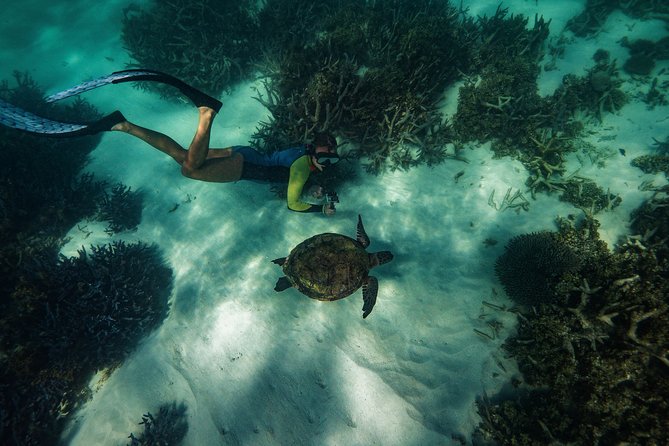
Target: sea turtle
332, 266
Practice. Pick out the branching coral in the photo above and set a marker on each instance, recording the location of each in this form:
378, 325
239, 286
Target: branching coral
169, 427
585, 194
207, 43
596, 361
374, 77
594, 15
95, 305
121, 208
652, 163
61, 319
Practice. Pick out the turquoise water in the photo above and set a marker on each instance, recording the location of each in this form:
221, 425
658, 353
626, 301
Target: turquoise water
207, 338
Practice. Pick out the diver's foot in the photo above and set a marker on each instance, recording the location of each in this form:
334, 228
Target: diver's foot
206, 112
105, 124
200, 99
121, 127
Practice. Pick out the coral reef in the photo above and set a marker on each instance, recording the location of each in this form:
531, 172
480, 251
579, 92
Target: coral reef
531, 266
595, 362
92, 307
586, 195
538, 131
643, 54
502, 102
207, 43
650, 224
61, 319
592, 18
169, 427
597, 93
372, 72
652, 163
122, 208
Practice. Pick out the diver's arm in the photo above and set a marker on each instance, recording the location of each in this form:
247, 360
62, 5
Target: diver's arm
299, 174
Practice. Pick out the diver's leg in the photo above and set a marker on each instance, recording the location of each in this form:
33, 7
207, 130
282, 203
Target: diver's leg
158, 140
216, 165
199, 147
218, 169
203, 164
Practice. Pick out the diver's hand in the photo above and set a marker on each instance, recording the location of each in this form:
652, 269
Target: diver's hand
328, 209
316, 192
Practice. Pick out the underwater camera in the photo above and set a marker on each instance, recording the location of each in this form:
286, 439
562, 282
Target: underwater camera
331, 198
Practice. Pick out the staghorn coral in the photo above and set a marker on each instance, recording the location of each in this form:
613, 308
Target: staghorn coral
531, 265
650, 225
593, 17
499, 102
585, 194
61, 319
502, 106
597, 93
652, 163
68, 318
595, 364
374, 77
96, 305
206, 43
122, 208
169, 427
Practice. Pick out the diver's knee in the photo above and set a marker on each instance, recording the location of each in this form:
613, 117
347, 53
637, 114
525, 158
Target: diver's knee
187, 170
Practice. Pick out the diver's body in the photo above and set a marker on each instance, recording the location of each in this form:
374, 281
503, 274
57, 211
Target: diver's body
293, 165
199, 161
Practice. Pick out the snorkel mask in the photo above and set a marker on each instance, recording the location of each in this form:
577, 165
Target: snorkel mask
327, 158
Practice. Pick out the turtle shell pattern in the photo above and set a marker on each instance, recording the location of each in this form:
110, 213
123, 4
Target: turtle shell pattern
327, 266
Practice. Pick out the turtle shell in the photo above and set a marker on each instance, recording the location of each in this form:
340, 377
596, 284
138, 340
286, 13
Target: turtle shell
327, 266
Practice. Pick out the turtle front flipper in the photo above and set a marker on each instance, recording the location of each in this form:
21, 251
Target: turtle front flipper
280, 261
283, 284
361, 235
369, 290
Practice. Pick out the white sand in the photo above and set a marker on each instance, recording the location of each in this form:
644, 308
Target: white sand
257, 367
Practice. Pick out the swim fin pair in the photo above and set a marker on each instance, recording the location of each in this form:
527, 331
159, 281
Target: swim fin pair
17, 118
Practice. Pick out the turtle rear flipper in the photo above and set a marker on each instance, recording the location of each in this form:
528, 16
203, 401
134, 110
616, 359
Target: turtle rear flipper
282, 284
369, 290
280, 261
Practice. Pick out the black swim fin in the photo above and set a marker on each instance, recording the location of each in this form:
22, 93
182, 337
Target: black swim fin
17, 118
196, 96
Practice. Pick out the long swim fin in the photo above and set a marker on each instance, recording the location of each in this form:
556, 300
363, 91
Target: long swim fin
17, 118
197, 97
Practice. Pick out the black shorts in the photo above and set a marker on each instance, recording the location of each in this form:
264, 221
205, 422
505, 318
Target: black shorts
270, 174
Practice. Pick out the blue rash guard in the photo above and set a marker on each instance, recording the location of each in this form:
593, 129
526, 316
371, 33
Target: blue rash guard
292, 166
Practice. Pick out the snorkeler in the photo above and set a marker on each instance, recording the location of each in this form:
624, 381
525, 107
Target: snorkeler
200, 162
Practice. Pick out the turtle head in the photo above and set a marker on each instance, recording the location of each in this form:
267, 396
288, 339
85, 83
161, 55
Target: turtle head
379, 258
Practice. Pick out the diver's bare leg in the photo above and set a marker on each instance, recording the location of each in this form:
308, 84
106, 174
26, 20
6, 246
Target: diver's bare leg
158, 140
199, 147
198, 162
217, 165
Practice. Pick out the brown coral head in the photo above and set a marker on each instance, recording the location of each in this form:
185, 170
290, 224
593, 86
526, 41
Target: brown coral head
531, 266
